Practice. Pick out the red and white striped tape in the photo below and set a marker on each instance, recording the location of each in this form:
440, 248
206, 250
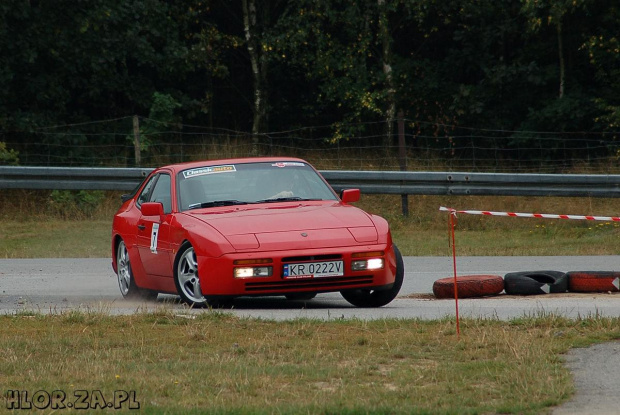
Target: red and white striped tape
531, 215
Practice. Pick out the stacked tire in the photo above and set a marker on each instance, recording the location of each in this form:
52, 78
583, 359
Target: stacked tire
593, 281
469, 286
528, 283
535, 282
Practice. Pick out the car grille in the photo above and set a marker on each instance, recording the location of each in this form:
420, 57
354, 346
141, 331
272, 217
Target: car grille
316, 283
311, 258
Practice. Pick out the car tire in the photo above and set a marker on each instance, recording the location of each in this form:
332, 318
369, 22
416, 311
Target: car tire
593, 281
300, 296
186, 277
535, 282
188, 284
469, 286
126, 281
378, 298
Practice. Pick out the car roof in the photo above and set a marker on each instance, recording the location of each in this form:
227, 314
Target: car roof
195, 164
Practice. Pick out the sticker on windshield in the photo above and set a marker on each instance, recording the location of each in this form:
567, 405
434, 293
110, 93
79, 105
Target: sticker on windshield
288, 164
208, 170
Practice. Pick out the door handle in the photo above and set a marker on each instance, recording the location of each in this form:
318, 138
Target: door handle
141, 227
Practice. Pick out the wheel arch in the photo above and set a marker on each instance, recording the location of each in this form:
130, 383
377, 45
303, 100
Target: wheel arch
115, 241
178, 253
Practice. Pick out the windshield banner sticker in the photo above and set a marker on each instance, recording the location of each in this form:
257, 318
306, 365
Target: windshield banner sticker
208, 170
288, 164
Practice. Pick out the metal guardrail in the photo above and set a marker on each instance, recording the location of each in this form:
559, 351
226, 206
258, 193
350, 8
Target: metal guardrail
372, 182
477, 184
71, 178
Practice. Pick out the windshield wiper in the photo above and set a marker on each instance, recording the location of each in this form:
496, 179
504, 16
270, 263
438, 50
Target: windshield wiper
285, 199
216, 203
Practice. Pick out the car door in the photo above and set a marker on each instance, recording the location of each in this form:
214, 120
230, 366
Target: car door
153, 233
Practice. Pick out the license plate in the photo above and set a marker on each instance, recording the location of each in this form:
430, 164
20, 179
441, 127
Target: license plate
314, 269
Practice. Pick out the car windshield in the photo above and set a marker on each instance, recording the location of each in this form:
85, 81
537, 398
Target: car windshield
245, 183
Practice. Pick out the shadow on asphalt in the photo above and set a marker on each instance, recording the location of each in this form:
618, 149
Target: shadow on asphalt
266, 303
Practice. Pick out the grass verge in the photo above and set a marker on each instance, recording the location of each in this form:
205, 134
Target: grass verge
184, 363
32, 232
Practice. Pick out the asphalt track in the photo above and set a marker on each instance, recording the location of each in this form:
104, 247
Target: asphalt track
54, 285
58, 285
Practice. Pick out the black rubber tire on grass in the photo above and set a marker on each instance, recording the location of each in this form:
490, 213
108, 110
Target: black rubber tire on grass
535, 282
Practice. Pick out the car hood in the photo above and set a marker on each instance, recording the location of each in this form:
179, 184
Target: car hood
288, 226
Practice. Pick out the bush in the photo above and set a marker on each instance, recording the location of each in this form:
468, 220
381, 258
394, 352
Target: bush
75, 204
8, 157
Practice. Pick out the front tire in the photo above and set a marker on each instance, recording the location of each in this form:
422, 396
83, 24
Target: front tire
188, 283
378, 298
126, 281
186, 277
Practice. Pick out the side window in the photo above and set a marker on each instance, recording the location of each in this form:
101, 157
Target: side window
161, 192
144, 194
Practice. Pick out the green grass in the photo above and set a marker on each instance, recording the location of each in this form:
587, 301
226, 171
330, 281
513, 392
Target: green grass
223, 364
33, 229
55, 238
186, 363
61, 238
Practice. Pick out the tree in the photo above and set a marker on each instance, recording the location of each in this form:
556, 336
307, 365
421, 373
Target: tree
603, 47
67, 63
385, 36
336, 47
554, 13
259, 70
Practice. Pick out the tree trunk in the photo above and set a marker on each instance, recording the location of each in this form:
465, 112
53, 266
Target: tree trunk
561, 55
259, 73
386, 41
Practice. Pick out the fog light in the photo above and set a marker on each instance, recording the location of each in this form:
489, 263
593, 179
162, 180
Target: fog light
250, 272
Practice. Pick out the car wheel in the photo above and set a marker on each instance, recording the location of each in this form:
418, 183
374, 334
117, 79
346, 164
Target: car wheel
186, 277
300, 296
378, 298
126, 282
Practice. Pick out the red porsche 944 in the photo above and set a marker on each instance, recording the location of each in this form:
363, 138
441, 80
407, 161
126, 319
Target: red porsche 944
214, 230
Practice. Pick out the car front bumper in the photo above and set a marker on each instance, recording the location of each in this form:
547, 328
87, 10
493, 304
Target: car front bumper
217, 274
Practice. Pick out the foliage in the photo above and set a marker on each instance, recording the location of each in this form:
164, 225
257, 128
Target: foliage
449, 65
75, 204
335, 47
161, 120
8, 156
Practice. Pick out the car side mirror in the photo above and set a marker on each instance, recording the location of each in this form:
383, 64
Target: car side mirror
350, 195
152, 209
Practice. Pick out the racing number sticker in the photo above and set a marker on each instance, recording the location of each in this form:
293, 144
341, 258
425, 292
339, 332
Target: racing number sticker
154, 233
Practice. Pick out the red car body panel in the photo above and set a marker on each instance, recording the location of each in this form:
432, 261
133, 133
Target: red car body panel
282, 232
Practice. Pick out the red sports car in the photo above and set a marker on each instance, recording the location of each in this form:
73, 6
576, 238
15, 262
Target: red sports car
213, 230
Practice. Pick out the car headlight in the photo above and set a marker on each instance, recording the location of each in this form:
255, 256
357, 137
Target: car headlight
366, 263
